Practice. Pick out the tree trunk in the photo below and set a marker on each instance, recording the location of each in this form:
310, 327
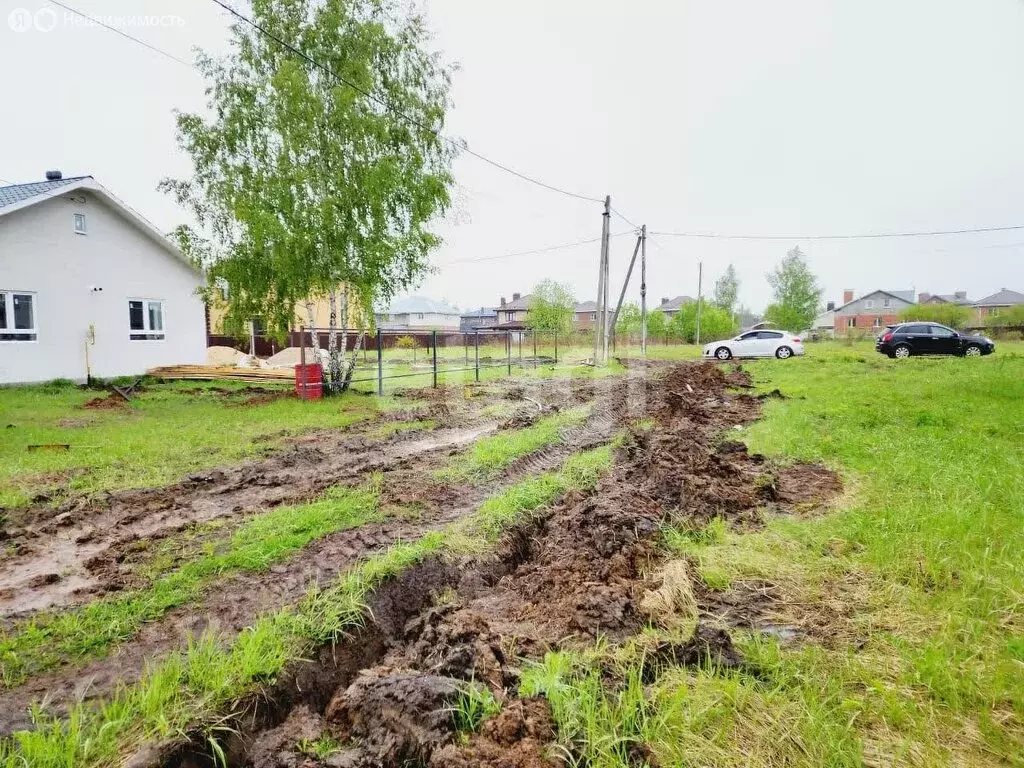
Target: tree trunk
350, 365
334, 357
314, 336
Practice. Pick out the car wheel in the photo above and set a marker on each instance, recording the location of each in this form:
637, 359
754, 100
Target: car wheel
783, 353
972, 351
901, 352
723, 353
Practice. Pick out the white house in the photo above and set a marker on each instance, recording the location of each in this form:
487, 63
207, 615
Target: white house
89, 286
418, 313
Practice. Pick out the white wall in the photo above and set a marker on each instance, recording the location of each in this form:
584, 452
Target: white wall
413, 320
41, 253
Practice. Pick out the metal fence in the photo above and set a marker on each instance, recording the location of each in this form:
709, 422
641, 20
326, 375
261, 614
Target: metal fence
403, 354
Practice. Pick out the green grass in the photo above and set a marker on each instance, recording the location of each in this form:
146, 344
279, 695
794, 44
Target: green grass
79, 634
194, 688
164, 435
487, 458
911, 590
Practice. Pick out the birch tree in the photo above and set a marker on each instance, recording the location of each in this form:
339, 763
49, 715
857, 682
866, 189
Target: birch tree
318, 177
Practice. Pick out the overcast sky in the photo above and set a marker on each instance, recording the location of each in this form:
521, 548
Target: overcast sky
726, 116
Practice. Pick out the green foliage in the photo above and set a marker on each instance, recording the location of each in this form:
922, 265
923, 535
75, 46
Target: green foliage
407, 342
552, 306
475, 704
715, 323
726, 289
1006, 316
657, 324
628, 323
302, 183
953, 315
797, 294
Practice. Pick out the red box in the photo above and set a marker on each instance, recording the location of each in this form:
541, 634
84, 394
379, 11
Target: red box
309, 381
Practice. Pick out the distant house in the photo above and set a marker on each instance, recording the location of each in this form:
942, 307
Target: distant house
512, 314
825, 323
585, 315
997, 302
478, 319
671, 306
959, 297
870, 312
418, 313
88, 286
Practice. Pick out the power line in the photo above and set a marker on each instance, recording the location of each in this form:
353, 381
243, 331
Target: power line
382, 102
633, 224
546, 249
865, 236
122, 33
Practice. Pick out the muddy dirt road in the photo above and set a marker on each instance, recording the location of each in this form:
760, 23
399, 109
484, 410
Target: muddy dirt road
92, 548
578, 571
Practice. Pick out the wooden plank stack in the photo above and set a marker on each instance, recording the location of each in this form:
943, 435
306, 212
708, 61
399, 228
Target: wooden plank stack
213, 372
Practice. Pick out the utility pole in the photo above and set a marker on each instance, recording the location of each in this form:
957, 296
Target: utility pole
607, 276
643, 291
700, 276
602, 287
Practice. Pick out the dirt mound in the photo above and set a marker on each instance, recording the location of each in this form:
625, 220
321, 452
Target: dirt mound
517, 737
113, 401
395, 716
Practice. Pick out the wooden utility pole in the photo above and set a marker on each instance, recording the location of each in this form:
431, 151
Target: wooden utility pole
643, 291
600, 344
700, 301
607, 276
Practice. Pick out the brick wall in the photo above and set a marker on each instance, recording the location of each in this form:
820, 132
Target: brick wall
869, 323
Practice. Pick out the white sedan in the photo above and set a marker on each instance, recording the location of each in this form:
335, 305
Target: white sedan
764, 342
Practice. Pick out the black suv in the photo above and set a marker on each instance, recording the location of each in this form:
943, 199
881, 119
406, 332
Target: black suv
931, 339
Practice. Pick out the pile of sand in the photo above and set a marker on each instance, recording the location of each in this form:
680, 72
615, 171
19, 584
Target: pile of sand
290, 357
223, 356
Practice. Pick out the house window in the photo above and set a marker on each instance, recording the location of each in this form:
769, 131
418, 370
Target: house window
878, 322
80, 223
851, 322
593, 316
146, 320
887, 303
419, 316
17, 316
869, 303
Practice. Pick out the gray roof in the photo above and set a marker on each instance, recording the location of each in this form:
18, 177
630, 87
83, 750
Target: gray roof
420, 305
482, 312
673, 304
523, 302
907, 296
17, 193
586, 306
950, 298
1003, 298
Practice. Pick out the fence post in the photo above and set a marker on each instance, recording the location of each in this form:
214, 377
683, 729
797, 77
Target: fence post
534, 334
556, 347
433, 340
380, 362
476, 353
520, 350
508, 347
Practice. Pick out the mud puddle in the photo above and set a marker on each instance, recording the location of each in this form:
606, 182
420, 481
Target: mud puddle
578, 572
